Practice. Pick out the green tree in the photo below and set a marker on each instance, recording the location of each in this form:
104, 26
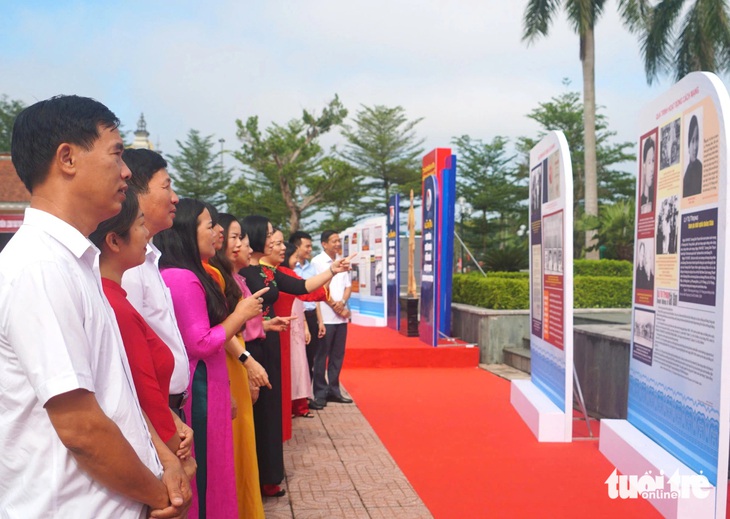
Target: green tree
565, 112
9, 109
288, 160
582, 16
198, 171
679, 39
384, 149
615, 230
489, 181
340, 206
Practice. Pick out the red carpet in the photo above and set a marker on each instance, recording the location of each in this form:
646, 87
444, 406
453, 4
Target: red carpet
386, 348
468, 454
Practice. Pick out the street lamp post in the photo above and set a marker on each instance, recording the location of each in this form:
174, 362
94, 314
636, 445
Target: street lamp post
222, 141
462, 210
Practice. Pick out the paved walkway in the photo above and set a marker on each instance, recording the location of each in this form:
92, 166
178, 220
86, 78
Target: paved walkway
336, 467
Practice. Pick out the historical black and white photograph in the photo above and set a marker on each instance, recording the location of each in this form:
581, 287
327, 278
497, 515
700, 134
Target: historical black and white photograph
645, 264
667, 227
552, 243
670, 138
647, 176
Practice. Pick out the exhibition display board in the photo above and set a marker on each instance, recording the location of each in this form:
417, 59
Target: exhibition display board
551, 294
678, 370
437, 246
392, 265
428, 324
368, 302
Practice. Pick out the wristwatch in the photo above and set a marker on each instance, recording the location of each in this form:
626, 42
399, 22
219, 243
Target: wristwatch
244, 357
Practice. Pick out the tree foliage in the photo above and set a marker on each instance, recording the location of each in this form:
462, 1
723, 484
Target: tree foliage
197, 169
489, 181
9, 109
565, 112
615, 226
582, 16
288, 161
385, 152
678, 37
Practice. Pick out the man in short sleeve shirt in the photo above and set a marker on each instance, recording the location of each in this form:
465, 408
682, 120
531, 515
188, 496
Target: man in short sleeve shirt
330, 353
72, 434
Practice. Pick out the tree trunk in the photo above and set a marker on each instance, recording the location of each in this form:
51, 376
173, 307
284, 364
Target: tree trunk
589, 129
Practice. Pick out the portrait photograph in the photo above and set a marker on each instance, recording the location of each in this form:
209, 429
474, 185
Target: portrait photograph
692, 178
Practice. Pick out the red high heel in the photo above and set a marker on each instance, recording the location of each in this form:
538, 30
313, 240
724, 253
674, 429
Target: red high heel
272, 491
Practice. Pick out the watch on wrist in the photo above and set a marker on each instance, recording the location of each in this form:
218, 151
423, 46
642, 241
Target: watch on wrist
244, 357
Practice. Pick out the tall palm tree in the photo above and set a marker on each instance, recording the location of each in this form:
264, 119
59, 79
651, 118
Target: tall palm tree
679, 37
582, 15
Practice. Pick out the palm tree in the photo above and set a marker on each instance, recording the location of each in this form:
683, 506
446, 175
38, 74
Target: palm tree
582, 15
672, 43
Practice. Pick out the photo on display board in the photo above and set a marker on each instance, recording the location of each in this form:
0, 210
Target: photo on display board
366, 239
553, 184
355, 277
670, 135
536, 287
647, 175
536, 189
552, 242
667, 228
645, 264
643, 335
692, 178
376, 277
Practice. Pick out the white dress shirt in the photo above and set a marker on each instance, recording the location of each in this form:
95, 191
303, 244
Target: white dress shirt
151, 298
339, 283
58, 334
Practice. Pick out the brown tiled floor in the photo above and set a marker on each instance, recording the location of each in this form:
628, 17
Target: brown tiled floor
336, 467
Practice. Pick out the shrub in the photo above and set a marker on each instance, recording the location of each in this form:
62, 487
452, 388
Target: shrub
509, 275
605, 267
513, 293
602, 292
491, 292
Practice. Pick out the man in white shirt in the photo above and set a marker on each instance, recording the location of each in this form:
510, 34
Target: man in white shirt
331, 351
72, 434
144, 285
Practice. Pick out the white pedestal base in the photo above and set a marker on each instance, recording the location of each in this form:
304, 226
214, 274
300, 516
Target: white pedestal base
542, 416
635, 454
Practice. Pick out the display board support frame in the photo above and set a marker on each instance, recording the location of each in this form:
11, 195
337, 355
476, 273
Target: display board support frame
545, 419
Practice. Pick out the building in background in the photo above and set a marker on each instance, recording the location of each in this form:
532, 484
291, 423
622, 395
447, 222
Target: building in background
14, 198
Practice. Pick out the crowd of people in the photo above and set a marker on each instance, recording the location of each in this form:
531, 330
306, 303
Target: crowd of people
154, 351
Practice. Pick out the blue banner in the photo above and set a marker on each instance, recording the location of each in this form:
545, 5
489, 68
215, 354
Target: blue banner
392, 262
428, 325
447, 204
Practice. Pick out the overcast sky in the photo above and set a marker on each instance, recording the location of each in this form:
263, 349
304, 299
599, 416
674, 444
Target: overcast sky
459, 64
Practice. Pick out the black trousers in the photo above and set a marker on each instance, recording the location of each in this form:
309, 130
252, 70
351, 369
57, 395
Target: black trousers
311, 318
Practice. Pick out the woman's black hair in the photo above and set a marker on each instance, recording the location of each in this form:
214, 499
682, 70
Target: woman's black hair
179, 247
290, 250
257, 228
693, 126
119, 224
223, 264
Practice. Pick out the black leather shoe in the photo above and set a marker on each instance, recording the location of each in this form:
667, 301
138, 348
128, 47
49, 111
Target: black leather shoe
314, 405
321, 402
339, 399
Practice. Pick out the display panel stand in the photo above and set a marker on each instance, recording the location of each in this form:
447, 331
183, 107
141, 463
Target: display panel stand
542, 416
